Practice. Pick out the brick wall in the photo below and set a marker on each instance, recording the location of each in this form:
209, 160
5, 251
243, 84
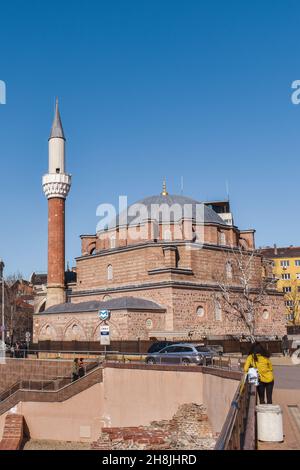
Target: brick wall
189, 429
13, 432
31, 369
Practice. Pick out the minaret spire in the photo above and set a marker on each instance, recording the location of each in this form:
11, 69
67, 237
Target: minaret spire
57, 128
164, 188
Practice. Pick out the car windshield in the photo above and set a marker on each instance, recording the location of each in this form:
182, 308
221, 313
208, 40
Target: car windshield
202, 349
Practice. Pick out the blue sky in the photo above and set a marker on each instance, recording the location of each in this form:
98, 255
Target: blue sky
199, 89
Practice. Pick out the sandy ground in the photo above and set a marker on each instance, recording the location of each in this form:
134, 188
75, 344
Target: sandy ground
56, 445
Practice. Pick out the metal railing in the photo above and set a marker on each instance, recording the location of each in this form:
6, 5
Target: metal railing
52, 383
238, 431
223, 362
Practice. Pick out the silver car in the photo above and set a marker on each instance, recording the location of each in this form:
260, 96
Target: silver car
182, 353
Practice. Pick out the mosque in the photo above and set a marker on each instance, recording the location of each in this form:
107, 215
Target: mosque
157, 273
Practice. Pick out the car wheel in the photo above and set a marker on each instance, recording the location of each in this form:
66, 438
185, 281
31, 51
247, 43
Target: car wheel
151, 361
185, 362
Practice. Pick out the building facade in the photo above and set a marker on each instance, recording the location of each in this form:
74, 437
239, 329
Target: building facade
158, 266
286, 269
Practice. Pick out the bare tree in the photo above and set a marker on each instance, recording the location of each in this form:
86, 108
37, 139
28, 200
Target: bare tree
17, 313
244, 286
293, 306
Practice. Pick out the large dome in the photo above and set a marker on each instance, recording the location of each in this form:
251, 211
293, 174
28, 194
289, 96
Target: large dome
179, 207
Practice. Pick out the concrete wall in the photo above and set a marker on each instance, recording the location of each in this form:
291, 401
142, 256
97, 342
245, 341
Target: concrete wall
218, 393
137, 397
129, 395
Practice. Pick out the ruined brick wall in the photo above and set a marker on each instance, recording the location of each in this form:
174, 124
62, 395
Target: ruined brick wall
189, 429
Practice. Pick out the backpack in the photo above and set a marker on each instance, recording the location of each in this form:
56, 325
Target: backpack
253, 375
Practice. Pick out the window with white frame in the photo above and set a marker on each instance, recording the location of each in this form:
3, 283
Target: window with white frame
297, 262
298, 276
287, 289
286, 276
109, 272
284, 263
289, 303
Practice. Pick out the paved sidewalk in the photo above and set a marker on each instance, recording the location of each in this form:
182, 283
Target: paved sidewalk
287, 395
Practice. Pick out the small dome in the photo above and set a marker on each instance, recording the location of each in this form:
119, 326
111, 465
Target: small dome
177, 207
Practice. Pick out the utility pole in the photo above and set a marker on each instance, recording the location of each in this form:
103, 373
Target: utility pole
3, 320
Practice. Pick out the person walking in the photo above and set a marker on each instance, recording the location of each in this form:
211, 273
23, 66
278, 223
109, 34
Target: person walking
75, 370
259, 359
81, 370
285, 345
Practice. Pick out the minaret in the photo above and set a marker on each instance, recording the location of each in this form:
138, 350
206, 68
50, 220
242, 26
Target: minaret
56, 186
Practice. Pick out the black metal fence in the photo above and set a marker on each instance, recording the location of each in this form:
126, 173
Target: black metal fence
142, 346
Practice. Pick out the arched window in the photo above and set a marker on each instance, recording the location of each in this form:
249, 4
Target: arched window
113, 242
218, 310
106, 297
75, 330
222, 238
200, 311
109, 272
167, 235
228, 270
265, 314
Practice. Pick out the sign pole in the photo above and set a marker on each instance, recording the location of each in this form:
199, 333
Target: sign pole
104, 315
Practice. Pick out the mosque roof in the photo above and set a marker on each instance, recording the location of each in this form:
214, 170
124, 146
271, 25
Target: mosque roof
119, 303
181, 207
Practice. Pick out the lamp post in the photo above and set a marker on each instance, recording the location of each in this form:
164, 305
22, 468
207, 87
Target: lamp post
3, 320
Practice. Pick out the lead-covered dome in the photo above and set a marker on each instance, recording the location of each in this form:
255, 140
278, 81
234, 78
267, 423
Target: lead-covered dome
170, 208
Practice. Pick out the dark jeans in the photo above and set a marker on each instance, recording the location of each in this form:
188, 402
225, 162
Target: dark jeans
265, 387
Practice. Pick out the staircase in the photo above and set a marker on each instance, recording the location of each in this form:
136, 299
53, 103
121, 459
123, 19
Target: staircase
53, 390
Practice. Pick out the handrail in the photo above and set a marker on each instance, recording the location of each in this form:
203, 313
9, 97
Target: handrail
19, 385
238, 431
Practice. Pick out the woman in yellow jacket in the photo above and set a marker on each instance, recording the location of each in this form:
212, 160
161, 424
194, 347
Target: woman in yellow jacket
259, 358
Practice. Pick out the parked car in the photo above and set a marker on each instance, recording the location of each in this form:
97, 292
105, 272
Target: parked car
182, 353
158, 345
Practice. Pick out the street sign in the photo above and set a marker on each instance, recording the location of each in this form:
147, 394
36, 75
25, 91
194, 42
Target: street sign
104, 314
104, 335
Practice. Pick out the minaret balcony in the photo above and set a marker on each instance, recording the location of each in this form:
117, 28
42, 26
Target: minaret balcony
56, 185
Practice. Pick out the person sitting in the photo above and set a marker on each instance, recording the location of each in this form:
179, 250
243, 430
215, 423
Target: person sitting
75, 370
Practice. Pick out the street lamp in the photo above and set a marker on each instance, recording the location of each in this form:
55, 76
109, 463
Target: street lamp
2, 280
